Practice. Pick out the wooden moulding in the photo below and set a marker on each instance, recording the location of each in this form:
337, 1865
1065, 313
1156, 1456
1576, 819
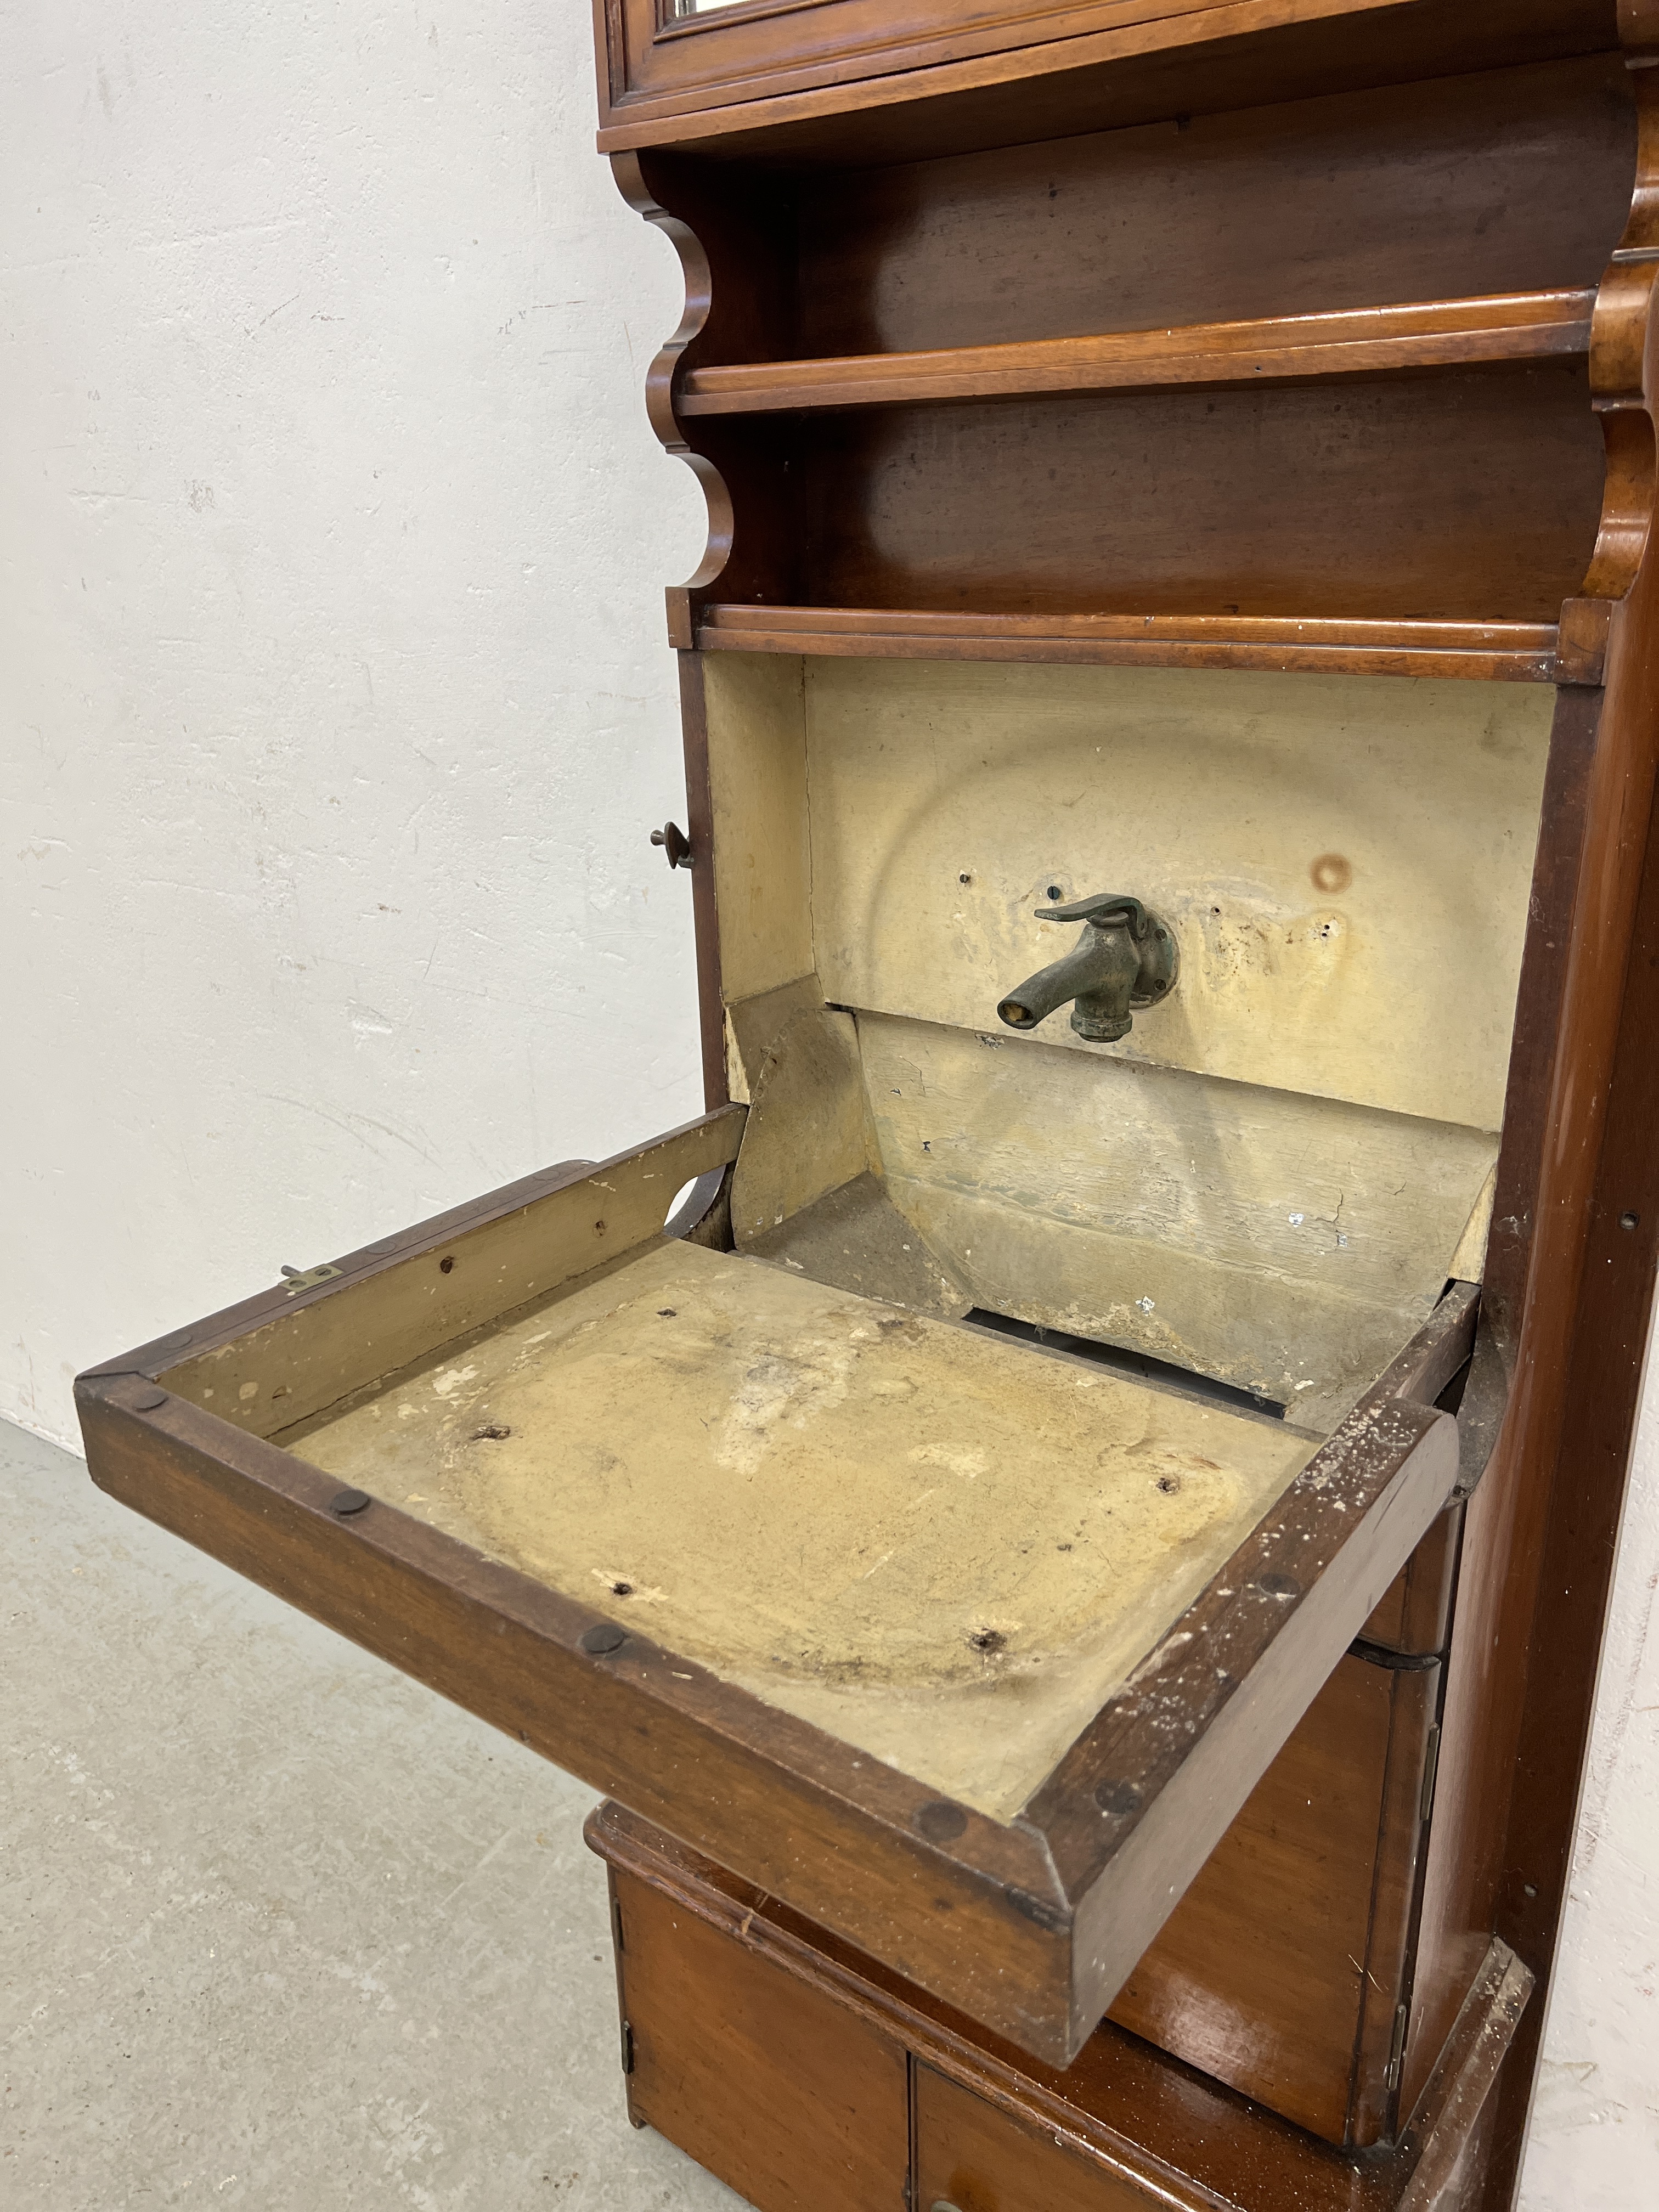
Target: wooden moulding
1521, 653
1373, 341
860, 75
1030, 1926
1125, 2126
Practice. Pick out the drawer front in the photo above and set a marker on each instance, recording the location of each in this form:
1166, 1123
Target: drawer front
793, 2100
973, 2156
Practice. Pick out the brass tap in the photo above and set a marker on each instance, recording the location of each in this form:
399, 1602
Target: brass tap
1126, 957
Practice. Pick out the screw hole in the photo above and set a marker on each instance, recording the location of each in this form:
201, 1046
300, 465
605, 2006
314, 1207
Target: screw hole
941, 1822
1629, 1220
965, 877
1054, 891
446, 1267
988, 1639
622, 1589
1168, 1484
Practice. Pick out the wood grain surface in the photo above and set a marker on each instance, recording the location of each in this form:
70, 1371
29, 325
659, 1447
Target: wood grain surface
1135, 2126
1528, 326
1522, 652
745, 87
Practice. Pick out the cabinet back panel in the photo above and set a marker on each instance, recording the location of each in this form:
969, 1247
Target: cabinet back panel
1345, 859
1416, 191
1458, 497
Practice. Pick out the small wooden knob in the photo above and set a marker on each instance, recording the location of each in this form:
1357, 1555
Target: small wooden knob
675, 842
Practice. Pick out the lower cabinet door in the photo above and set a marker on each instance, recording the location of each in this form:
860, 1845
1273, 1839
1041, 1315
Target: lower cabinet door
973, 2156
793, 2100
1283, 1970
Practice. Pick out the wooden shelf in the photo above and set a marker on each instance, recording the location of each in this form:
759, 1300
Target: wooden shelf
1520, 653
1362, 342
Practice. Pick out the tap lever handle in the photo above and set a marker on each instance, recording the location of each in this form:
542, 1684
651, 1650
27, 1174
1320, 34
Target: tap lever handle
1105, 907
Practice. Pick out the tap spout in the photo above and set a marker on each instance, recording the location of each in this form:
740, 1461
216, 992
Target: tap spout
1125, 958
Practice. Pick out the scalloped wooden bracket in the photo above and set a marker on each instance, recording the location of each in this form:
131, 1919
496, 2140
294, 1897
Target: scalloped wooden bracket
1624, 372
660, 384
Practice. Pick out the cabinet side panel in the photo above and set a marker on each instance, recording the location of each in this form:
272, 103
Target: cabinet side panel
756, 743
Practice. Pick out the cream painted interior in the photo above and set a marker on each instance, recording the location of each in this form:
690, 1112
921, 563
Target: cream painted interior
943, 1548
1269, 1180
1285, 1244
1346, 861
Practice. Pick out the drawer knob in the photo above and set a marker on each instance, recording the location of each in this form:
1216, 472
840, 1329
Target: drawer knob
675, 842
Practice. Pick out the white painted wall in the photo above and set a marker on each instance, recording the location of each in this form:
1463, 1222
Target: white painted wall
336, 703
335, 708
1595, 2139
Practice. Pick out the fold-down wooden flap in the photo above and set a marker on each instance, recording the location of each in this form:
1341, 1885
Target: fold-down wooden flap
964, 1650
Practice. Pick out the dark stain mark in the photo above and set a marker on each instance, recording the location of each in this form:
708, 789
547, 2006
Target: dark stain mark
1331, 871
1119, 1798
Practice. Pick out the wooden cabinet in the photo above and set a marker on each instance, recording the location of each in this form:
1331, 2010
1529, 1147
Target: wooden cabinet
1059, 1504
728, 1982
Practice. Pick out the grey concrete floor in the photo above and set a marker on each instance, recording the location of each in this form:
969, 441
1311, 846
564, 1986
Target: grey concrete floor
278, 1928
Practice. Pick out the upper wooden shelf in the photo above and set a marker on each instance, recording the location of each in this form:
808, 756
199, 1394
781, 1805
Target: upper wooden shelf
1278, 349
1511, 652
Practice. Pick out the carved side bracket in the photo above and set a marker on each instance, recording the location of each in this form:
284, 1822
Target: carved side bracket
1624, 332
659, 387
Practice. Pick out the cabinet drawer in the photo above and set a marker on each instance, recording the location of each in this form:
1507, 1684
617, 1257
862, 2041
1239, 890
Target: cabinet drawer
974, 2156
791, 2097
808, 1578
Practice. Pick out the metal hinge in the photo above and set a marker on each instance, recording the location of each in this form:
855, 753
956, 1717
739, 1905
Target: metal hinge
628, 2047
1397, 2048
298, 1280
1430, 1772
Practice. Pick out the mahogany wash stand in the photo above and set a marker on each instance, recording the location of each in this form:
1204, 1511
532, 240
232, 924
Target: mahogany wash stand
1071, 1511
